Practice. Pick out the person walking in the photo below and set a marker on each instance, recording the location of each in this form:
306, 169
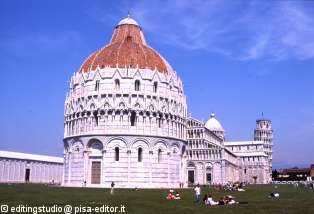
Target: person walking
112, 188
197, 191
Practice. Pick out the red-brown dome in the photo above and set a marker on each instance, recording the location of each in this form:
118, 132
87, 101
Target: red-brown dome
127, 48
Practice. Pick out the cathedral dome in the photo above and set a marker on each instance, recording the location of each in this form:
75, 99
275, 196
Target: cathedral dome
127, 49
213, 124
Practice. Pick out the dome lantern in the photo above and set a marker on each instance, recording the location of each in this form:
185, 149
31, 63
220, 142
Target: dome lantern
128, 21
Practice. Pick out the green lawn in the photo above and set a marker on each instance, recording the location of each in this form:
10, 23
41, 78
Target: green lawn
291, 200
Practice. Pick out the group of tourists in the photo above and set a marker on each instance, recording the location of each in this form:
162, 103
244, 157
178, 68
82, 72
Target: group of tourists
208, 198
304, 184
237, 186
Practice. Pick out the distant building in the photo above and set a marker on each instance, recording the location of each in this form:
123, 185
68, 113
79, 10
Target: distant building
212, 160
264, 133
16, 167
294, 174
253, 162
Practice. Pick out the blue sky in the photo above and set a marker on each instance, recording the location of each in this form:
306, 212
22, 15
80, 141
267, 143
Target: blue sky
236, 58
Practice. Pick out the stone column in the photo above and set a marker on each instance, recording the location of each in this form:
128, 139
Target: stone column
223, 168
75, 125
129, 120
151, 167
183, 169
168, 163
2, 170
65, 128
150, 123
85, 169
137, 120
129, 165
13, 170
85, 122
64, 161
98, 119
18, 171
204, 173
69, 168
103, 168
79, 122
34, 175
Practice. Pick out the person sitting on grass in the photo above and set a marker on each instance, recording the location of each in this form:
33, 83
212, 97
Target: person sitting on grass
222, 201
170, 195
136, 189
177, 196
210, 201
274, 195
230, 200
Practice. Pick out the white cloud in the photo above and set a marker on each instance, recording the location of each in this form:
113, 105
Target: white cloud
242, 30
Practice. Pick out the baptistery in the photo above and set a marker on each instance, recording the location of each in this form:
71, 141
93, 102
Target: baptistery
125, 117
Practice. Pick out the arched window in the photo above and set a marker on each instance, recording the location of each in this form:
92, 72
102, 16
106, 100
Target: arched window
140, 155
183, 149
95, 113
137, 85
95, 147
117, 84
155, 87
159, 122
116, 157
133, 117
159, 156
82, 88
97, 85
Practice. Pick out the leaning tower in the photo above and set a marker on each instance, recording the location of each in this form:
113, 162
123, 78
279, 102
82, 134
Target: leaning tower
264, 132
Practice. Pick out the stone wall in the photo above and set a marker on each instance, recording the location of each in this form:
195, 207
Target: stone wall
14, 171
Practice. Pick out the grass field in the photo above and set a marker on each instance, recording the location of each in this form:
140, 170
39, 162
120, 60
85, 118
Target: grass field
292, 200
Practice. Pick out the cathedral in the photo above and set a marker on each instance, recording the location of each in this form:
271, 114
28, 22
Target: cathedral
126, 121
